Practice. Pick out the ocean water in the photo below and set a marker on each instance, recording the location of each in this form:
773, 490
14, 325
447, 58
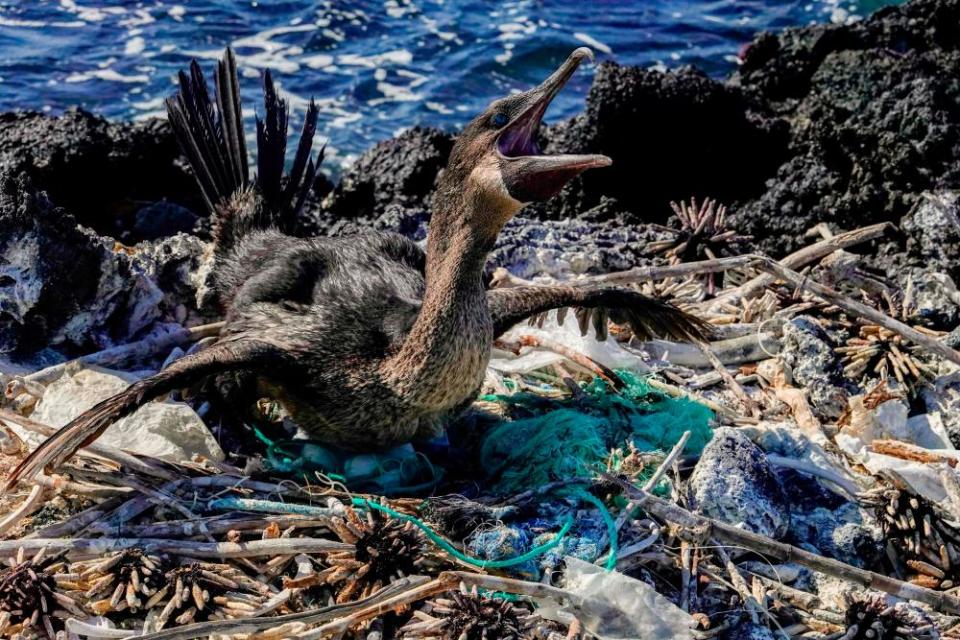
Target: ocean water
375, 67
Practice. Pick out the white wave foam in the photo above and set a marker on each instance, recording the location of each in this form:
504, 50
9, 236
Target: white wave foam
593, 42
134, 46
109, 75
397, 57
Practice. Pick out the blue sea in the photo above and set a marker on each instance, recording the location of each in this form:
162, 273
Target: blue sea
375, 67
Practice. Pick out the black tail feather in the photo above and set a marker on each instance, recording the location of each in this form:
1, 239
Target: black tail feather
231, 117
212, 141
211, 136
271, 143
304, 170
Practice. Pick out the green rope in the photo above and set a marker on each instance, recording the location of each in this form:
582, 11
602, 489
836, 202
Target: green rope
586, 496
456, 553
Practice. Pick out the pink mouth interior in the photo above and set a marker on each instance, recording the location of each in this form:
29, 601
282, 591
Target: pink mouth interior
519, 139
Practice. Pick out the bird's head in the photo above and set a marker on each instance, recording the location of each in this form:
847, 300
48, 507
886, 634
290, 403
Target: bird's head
496, 162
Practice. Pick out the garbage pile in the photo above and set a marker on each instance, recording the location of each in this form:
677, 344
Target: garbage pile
794, 477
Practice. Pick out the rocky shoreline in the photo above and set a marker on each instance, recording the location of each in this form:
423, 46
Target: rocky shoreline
837, 124
826, 421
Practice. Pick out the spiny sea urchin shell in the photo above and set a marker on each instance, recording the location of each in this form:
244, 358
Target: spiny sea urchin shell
881, 352
386, 549
30, 600
123, 581
467, 615
703, 234
926, 543
206, 591
874, 618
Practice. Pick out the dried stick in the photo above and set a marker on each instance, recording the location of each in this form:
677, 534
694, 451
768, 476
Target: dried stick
92, 547
221, 628
61, 485
145, 348
677, 392
907, 451
652, 482
861, 310
217, 525
25, 508
703, 527
752, 407
739, 582
801, 258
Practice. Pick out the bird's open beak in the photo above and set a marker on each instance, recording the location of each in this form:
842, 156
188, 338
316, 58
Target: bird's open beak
529, 175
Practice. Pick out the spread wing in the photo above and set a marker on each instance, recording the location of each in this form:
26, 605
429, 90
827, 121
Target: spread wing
87, 427
595, 305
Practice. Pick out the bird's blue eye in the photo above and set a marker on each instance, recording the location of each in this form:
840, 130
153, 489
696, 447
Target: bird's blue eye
500, 119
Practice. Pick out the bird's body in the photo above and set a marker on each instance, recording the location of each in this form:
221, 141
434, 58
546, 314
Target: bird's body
368, 341
346, 306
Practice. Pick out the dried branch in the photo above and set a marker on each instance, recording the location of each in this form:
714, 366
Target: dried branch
704, 527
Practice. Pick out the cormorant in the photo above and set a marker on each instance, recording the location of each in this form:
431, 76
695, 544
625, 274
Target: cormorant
366, 340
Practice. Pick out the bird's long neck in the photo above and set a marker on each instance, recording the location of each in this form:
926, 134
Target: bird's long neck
446, 352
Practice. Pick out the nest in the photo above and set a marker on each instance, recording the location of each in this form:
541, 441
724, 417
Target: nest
385, 550
467, 615
880, 352
703, 234
31, 603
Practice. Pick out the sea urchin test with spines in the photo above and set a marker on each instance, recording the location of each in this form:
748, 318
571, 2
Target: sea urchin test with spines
467, 615
385, 550
367, 341
31, 603
126, 580
703, 234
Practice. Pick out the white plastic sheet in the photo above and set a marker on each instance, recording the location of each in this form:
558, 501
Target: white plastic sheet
167, 430
608, 353
613, 606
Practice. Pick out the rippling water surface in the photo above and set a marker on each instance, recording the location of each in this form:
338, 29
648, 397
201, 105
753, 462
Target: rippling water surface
375, 67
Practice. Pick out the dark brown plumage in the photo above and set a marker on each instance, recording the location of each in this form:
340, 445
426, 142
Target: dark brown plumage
366, 340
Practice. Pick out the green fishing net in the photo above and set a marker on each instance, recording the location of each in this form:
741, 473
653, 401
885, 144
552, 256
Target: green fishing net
574, 438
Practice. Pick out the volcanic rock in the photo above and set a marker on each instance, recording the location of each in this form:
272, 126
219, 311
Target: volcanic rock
873, 109
401, 171
932, 228
810, 353
101, 171
561, 249
733, 482
65, 288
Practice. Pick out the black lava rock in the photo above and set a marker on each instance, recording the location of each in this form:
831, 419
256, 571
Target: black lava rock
734, 482
101, 171
671, 136
400, 171
874, 114
52, 272
161, 219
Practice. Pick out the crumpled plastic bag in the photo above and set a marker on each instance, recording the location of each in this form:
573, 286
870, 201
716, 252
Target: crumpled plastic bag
608, 353
922, 477
167, 430
613, 606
